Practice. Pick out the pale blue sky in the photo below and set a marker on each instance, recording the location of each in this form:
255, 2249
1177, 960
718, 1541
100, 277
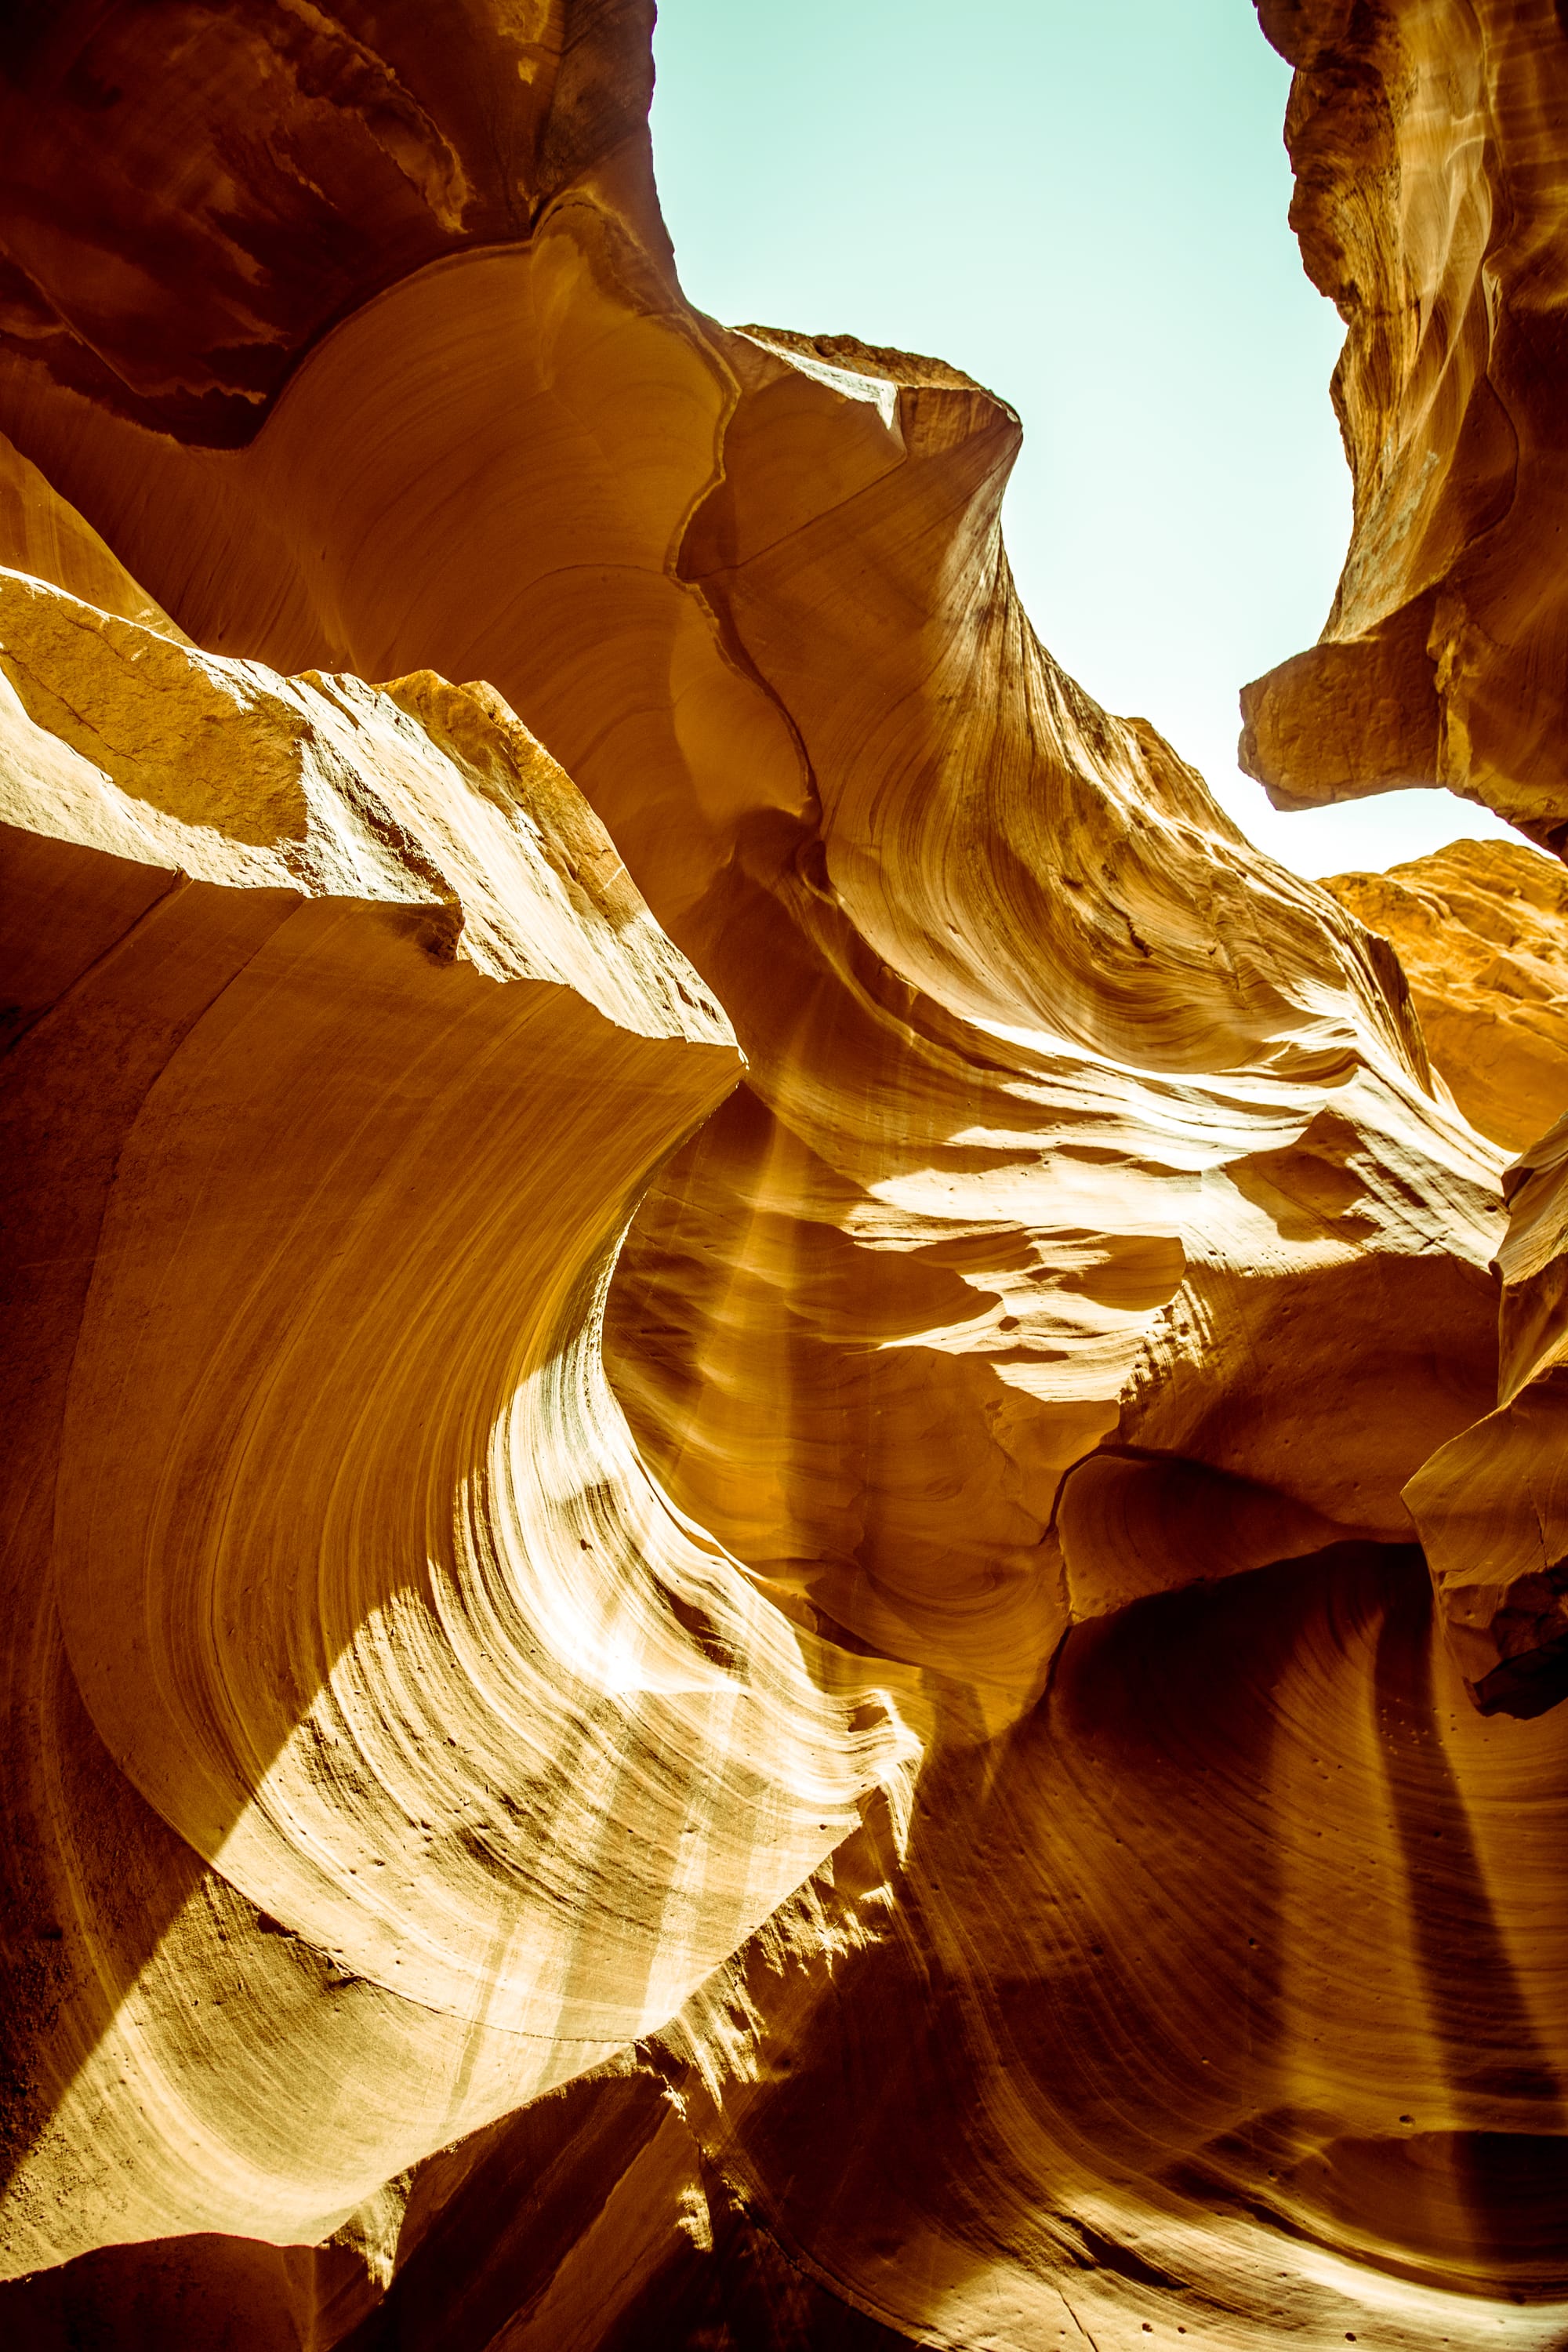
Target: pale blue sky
1083, 203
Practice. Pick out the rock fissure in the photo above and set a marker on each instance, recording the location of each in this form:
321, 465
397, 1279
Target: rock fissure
714, 1438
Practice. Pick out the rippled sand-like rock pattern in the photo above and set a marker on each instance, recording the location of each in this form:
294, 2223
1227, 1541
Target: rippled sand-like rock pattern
715, 1639
1426, 138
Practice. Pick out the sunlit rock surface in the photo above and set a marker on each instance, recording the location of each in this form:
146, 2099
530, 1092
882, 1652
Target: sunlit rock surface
1431, 176
1481, 928
713, 1639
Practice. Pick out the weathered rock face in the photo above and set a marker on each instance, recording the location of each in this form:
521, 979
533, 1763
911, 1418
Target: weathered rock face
1491, 1504
1481, 929
324, 1513
1430, 171
713, 1639
194, 190
1431, 176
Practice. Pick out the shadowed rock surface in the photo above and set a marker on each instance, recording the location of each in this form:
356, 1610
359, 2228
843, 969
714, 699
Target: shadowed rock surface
712, 1632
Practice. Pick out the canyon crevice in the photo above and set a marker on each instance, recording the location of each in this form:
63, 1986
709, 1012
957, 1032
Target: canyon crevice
783, 1557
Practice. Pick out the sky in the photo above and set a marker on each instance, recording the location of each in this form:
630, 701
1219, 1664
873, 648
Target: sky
1083, 203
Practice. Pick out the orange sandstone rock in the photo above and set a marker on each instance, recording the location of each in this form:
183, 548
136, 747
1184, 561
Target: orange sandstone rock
1481, 929
1490, 1505
1427, 140
341, 1047
712, 1638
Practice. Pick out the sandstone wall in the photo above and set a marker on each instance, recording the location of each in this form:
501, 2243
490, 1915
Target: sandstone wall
712, 1632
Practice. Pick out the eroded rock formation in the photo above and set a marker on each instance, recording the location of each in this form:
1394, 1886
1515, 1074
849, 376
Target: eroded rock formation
1481, 929
1431, 173
1428, 148
714, 1638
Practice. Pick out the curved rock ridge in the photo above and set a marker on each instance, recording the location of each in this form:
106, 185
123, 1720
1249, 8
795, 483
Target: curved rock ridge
340, 1049
41, 535
1189, 1996
1425, 137
659, 1698
930, 882
1481, 927
1489, 1505
1481, 930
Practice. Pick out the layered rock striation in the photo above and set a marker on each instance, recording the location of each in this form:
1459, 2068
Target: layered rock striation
714, 1636
1428, 153
1481, 930
1430, 174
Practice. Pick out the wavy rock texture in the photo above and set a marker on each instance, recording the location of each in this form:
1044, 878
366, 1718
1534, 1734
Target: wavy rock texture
343, 1052
1489, 1504
1426, 138
1481, 930
655, 1699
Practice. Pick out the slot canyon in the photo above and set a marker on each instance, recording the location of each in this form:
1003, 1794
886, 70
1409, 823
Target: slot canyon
786, 1480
